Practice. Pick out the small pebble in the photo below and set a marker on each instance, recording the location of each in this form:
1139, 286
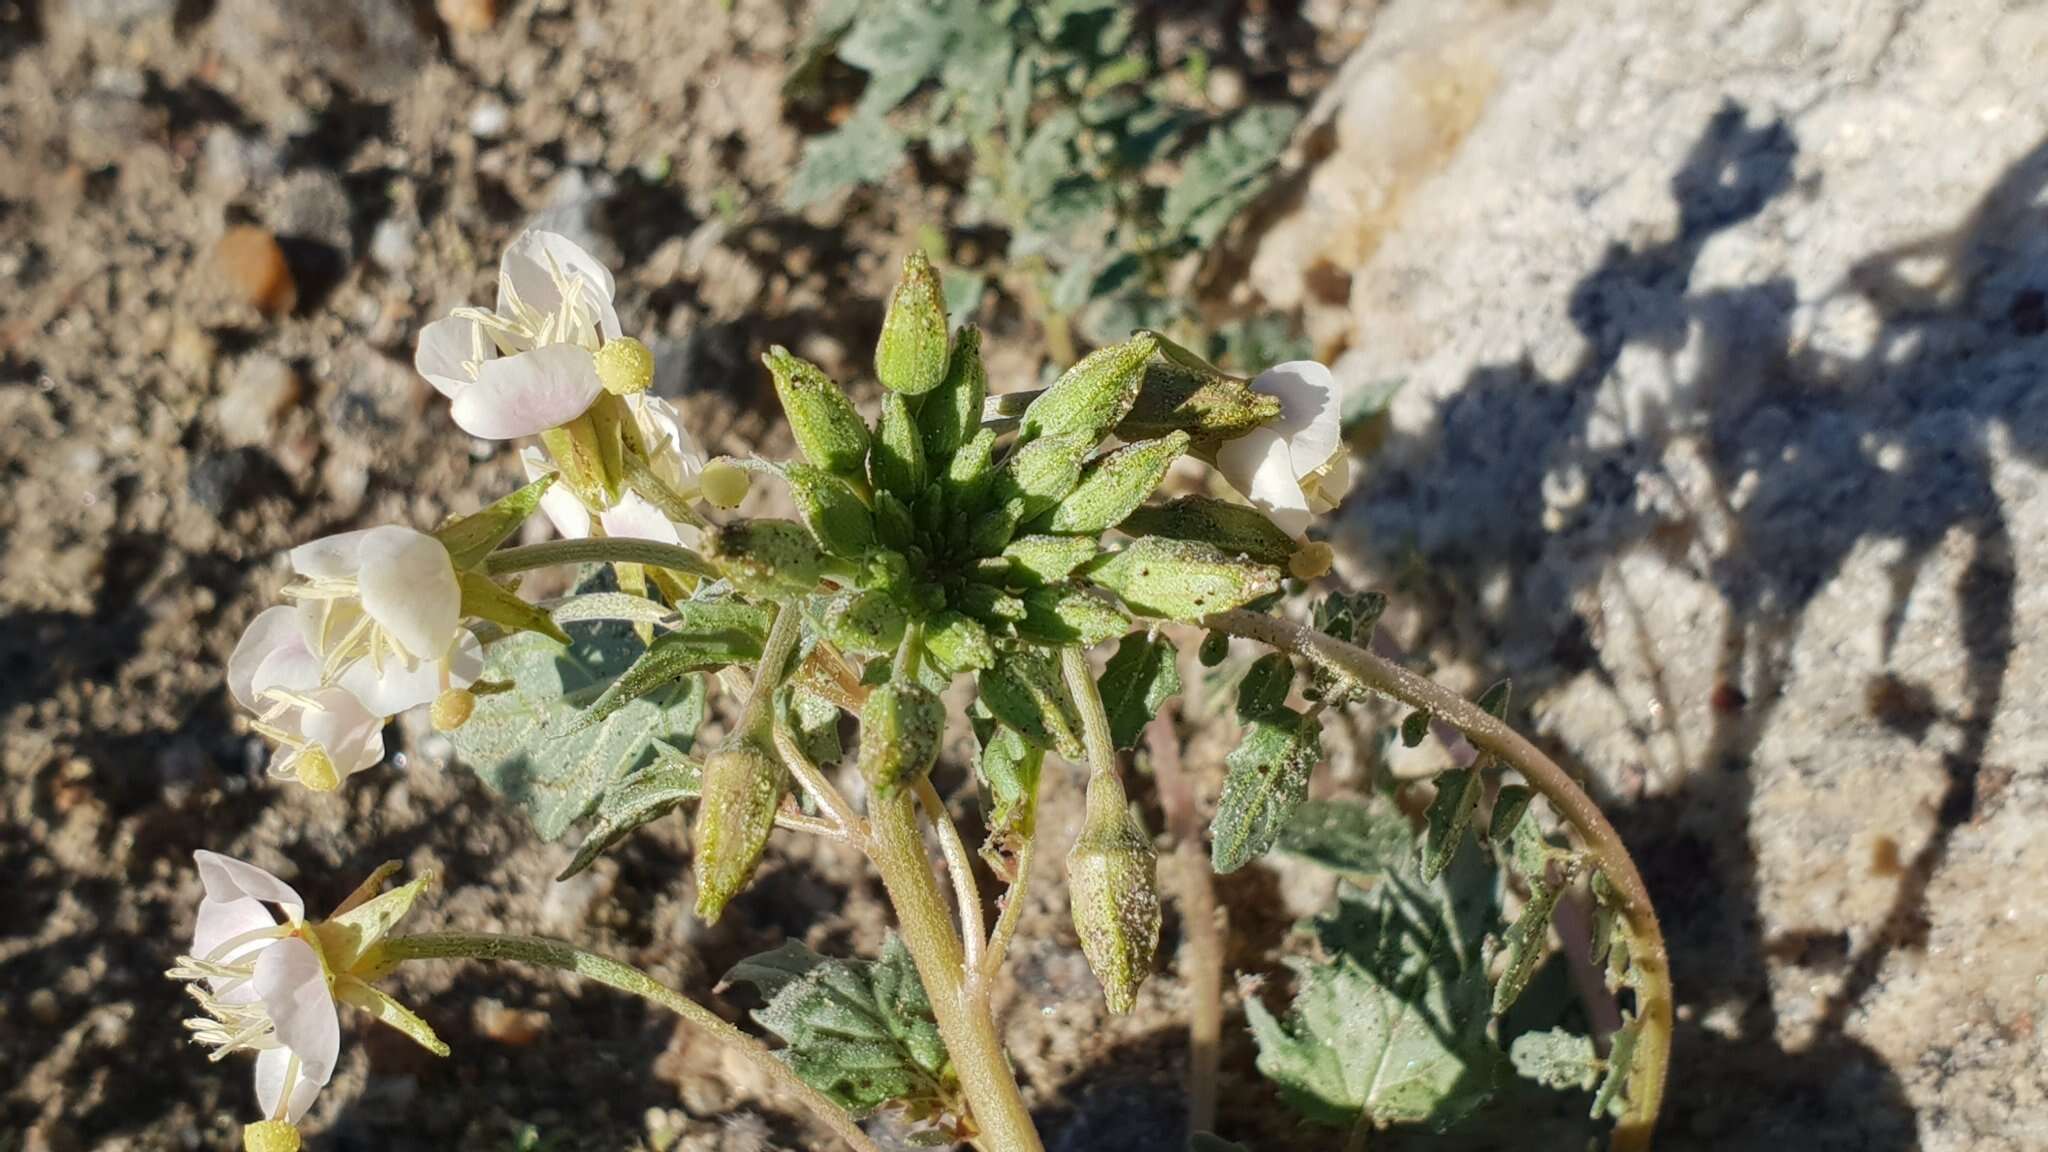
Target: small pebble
393, 245
254, 267
514, 1027
264, 388
467, 15
489, 119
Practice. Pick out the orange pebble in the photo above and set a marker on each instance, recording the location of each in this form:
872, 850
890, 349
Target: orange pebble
253, 265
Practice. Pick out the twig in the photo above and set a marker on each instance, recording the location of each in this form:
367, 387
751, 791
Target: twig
1006, 920
960, 864
1202, 965
822, 793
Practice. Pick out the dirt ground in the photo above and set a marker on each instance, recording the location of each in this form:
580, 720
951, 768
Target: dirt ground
163, 438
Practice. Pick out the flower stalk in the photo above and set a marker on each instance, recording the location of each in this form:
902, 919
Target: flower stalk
527, 557
1647, 956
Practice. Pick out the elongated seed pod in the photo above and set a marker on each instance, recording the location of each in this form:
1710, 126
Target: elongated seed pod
742, 787
1113, 892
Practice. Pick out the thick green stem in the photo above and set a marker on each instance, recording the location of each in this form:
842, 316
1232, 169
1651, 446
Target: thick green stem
604, 550
1094, 720
783, 636
626, 978
962, 1013
1648, 960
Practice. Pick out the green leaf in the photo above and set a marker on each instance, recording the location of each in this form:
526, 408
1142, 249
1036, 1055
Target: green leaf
813, 721
1090, 397
1508, 809
828, 431
609, 606
1450, 815
708, 635
1178, 580
1140, 678
864, 150
910, 356
1611, 1099
1039, 560
469, 539
1350, 616
1557, 1059
1362, 841
1234, 529
1023, 690
1522, 945
1414, 728
832, 510
859, 1031
951, 414
1227, 171
1114, 484
640, 799
1268, 780
1393, 1025
524, 744
1263, 691
1068, 616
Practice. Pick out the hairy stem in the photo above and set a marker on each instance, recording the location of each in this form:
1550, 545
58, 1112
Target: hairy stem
1094, 720
1006, 922
960, 866
813, 781
1647, 957
626, 978
783, 636
896, 845
607, 550
1202, 964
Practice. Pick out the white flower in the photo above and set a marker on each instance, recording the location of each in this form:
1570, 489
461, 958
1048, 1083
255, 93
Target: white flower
528, 365
672, 456
376, 631
270, 981
1295, 466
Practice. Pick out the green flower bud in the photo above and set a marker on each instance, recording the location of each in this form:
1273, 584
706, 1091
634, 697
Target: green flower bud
1235, 529
1068, 616
1092, 396
826, 427
901, 726
1113, 892
896, 459
624, 366
864, 623
1180, 580
831, 510
1114, 485
894, 525
766, 557
1181, 391
910, 358
957, 643
951, 414
742, 788
968, 475
1040, 474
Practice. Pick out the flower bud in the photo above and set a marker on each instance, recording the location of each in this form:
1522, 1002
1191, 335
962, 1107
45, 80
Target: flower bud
766, 557
742, 787
625, 366
270, 1136
910, 357
452, 708
1092, 396
1113, 892
826, 427
724, 483
900, 728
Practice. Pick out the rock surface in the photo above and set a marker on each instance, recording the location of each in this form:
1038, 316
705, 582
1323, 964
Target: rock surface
1724, 432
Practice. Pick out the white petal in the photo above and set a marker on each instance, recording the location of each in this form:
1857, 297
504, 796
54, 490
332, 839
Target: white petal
330, 557
408, 586
668, 442
1328, 488
466, 662
635, 519
1257, 464
271, 1065
1309, 420
570, 518
350, 734
226, 878
528, 394
293, 987
395, 688
525, 268
293, 668
272, 629
445, 347
222, 920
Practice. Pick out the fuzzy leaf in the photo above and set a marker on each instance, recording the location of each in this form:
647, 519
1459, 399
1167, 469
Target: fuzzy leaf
470, 538
1611, 1099
1177, 580
609, 606
1393, 1025
1023, 690
1556, 1059
1414, 728
831, 510
864, 150
813, 721
524, 744
1140, 678
1037, 560
1508, 809
958, 643
1523, 944
1227, 171
1358, 840
1234, 529
1450, 815
1113, 485
860, 1031
1268, 780
640, 799
1263, 691
1090, 397
1008, 770
1350, 616
708, 635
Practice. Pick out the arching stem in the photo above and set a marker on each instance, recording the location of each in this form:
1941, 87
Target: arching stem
1649, 963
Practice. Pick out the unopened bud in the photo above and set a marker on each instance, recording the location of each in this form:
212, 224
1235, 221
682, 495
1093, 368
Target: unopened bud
767, 557
625, 366
1311, 560
452, 708
910, 357
900, 728
1113, 892
724, 483
742, 787
270, 1136
316, 770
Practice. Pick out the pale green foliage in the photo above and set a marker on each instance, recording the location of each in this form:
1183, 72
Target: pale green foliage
1557, 1059
1269, 768
860, 1031
1070, 124
1139, 679
1358, 840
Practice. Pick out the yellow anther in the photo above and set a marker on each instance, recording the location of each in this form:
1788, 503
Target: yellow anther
452, 708
625, 366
